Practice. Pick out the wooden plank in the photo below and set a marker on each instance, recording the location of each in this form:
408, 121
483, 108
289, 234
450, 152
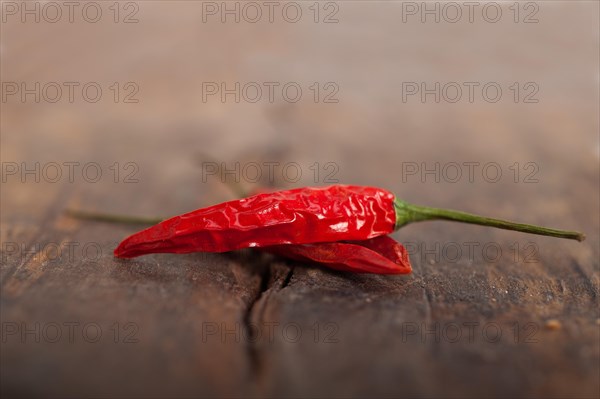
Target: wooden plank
77, 321
251, 325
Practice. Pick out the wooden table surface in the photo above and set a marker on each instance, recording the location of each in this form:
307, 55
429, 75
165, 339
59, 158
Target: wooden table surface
485, 313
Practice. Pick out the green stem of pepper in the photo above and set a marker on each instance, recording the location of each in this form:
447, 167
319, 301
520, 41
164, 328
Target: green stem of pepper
407, 213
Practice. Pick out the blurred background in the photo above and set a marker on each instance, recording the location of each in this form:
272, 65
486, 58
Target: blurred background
409, 96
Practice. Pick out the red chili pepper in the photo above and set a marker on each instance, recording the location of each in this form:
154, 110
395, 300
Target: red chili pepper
298, 216
380, 255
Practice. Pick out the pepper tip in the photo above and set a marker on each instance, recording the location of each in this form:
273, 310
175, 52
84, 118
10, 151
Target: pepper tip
119, 252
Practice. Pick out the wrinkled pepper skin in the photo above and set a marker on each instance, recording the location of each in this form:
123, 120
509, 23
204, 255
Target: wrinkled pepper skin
297, 216
379, 255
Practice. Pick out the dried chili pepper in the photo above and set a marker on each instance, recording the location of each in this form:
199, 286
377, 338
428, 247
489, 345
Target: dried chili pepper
299, 216
379, 255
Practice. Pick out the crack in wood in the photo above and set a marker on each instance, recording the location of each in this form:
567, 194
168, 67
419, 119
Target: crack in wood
269, 283
251, 332
288, 278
